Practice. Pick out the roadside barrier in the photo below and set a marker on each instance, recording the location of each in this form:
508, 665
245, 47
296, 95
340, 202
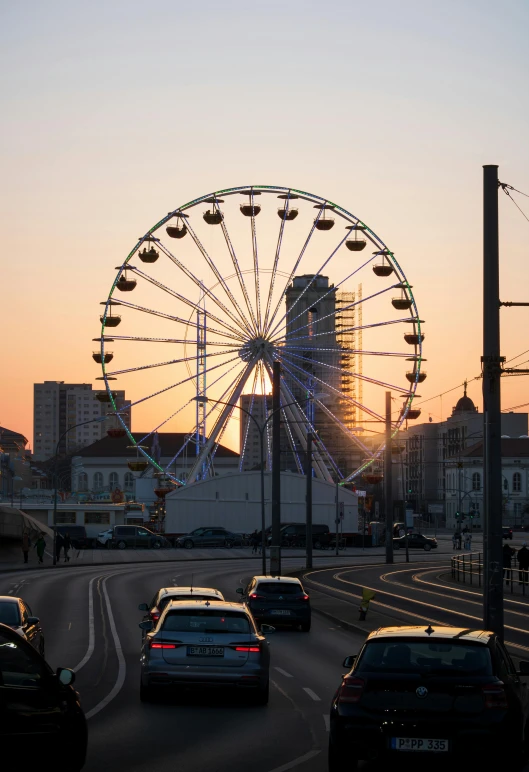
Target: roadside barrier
468, 569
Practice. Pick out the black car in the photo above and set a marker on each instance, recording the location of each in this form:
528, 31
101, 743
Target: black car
506, 532
77, 534
441, 692
280, 601
294, 534
209, 537
16, 614
41, 713
416, 541
137, 537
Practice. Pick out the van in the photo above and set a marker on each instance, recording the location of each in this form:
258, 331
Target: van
77, 535
136, 536
295, 533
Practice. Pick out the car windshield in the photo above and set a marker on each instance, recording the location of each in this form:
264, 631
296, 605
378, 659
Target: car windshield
434, 657
206, 621
280, 588
187, 596
9, 613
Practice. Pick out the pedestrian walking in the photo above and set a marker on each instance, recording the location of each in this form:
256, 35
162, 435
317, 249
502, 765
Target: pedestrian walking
454, 540
26, 544
459, 540
66, 544
523, 563
59, 541
40, 545
254, 541
508, 552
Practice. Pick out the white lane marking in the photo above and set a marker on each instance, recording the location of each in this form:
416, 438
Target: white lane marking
122, 668
311, 694
283, 672
296, 762
91, 627
327, 722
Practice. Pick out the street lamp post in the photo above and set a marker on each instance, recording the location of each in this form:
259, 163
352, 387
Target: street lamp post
55, 477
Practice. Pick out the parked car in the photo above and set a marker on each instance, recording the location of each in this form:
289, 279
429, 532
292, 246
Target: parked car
42, 718
280, 600
104, 538
78, 536
136, 537
198, 645
442, 692
166, 594
507, 532
295, 534
416, 541
16, 614
209, 537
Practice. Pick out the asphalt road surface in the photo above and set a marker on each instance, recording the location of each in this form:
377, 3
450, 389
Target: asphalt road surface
90, 618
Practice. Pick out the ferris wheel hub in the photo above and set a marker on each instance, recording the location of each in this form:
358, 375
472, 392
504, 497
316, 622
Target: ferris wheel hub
257, 348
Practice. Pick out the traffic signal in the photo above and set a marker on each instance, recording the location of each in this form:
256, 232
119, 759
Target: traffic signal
471, 515
457, 515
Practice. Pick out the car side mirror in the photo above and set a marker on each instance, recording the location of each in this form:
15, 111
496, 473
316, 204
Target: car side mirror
33, 620
267, 629
523, 667
65, 676
146, 625
143, 607
349, 661
239, 591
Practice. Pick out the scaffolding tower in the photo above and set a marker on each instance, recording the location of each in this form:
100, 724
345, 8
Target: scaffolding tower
349, 339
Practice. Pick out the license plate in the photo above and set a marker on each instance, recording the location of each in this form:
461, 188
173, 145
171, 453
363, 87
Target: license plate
418, 744
205, 651
281, 612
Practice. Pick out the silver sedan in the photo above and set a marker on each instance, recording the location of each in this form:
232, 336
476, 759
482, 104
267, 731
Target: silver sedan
203, 644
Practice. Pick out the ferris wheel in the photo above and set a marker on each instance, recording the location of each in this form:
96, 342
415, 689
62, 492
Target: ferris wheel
229, 283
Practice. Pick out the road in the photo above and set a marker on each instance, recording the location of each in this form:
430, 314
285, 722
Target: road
90, 617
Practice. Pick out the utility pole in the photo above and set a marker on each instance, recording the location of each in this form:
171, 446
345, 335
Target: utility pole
388, 498
308, 533
275, 552
491, 366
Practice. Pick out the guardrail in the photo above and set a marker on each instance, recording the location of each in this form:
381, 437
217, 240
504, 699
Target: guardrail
468, 569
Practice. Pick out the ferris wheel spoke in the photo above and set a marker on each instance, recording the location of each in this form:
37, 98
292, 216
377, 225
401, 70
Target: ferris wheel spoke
309, 284
276, 262
171, 318
203, 289
164, 340
292, 273
293, 349
341, 370
221, 421
238, 272
256, 267
334, 313
187, 302
244, 322
169, 362
357, 328
187, 404
248, 420
180, 383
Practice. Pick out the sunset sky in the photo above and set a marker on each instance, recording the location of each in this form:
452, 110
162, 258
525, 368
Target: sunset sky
115, 113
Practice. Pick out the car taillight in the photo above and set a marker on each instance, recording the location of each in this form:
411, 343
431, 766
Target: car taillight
305, 597
247, 648
350, 690
494, 695
154, 615
255, 596
156, 645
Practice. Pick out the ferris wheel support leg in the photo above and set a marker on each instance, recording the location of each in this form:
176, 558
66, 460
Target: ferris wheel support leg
224, 416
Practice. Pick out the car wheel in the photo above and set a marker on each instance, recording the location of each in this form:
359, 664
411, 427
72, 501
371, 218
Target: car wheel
145, 693
262, 695
305, 627
121, 545
188, 544
156, 545
338, 760
427, 547
228, 544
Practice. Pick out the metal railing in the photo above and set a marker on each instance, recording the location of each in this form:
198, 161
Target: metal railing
468, 569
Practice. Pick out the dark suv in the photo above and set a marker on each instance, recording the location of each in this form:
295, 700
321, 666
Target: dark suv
280, 601
136, 536
294, 535
413, 692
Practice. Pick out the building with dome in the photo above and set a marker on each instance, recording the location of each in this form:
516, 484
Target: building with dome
433, 477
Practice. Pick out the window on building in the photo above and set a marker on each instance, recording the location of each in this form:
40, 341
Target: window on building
97, 518
113, 480
517, 482
517, 509
82, 483
65, 518
98, 481
129, 481
476, 481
